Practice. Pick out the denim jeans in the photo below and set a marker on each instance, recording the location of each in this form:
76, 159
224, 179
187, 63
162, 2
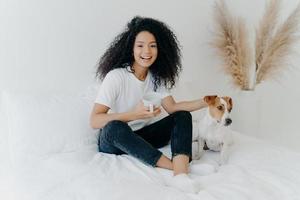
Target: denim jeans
116, 137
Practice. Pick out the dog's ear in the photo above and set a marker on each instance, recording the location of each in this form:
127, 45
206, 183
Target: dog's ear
210, 100
229, 103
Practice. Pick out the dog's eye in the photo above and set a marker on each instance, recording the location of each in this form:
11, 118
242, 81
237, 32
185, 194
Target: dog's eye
220, 107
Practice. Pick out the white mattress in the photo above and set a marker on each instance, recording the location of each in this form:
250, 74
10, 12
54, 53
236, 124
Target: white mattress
255, 170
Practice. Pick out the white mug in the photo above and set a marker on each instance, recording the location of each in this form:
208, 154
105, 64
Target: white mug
152, 100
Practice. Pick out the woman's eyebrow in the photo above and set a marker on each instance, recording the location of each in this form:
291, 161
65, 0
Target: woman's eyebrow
144, 42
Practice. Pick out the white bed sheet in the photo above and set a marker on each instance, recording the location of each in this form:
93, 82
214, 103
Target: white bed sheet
255, 170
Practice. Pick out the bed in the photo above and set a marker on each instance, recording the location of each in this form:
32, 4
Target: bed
52, 154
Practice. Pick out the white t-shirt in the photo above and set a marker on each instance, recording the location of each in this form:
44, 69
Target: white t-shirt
121, 91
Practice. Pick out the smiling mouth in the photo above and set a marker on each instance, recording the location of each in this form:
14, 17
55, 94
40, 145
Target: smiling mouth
146, 58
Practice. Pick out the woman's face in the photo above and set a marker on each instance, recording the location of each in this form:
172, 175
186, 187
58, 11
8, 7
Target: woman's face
145, 49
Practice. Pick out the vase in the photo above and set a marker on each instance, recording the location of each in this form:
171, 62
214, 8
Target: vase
251, 78
246, 112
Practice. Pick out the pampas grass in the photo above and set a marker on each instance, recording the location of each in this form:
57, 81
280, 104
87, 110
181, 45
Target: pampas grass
231, 44
273, 44
278, 48
266, 30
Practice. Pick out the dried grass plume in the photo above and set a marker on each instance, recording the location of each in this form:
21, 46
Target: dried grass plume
272, 45
278, 45
231, 44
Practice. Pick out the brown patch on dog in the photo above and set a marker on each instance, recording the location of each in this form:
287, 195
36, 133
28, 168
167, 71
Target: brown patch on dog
210, 99
216, 108
229, 103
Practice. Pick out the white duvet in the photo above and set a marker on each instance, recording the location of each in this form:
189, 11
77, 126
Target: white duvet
255, 170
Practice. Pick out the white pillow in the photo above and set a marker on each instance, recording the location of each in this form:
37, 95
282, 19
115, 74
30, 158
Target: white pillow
42, 124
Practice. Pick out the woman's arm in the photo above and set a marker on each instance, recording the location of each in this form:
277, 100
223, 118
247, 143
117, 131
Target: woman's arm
171, 106
99, 116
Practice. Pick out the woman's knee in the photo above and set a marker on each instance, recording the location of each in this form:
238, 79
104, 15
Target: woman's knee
183, 115
114, 128
115, 123
183, 124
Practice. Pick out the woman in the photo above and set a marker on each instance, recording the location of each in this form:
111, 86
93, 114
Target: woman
145, 59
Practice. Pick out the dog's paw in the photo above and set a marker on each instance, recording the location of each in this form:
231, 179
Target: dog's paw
196, 156
221, 162
196, 151
223, 159
224, 154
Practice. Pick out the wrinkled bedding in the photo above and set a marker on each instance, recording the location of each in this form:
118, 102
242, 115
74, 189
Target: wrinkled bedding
255, 170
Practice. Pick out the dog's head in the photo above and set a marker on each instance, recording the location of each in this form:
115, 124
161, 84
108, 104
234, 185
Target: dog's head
219, 109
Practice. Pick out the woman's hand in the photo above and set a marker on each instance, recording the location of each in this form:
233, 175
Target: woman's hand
143, 112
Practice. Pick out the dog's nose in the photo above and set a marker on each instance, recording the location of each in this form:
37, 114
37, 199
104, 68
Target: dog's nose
228, 121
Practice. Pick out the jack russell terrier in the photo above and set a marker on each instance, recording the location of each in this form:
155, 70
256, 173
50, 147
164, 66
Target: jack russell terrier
212, 131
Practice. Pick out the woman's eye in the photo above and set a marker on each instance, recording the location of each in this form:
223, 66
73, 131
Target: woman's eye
153, 46
139, 45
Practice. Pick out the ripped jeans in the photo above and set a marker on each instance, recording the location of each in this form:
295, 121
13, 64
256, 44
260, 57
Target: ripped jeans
116, 137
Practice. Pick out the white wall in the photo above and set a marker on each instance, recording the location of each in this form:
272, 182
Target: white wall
55, 45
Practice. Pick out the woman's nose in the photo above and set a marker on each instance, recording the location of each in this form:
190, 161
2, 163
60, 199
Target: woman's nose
147, 49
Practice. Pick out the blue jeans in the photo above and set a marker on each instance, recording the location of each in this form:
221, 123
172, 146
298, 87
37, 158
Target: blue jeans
116, 137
